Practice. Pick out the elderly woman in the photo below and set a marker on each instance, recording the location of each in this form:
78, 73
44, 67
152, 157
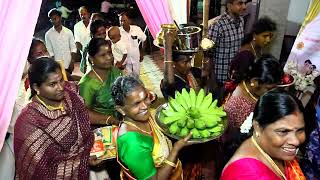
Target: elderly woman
270, 150
52, 137
143, 151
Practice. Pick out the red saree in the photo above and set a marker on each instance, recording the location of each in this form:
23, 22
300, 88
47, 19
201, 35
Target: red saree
53, 144
253, 169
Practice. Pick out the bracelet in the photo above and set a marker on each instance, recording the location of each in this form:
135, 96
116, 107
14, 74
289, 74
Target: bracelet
170, 163
168, 61
107, 121
204, 62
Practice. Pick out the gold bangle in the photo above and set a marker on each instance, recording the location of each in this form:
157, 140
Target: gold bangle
107, 121
170, 163
204, 62
168, 61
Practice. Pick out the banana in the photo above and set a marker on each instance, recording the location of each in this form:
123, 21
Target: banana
215, 129
193, 97
182, 121
169, 120
195, 112
206, 102
179, 98
174, 129
186, 97
174, 113
176, 105
200, 97
214, 104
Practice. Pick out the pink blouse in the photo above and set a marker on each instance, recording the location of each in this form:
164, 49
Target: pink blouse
248, 169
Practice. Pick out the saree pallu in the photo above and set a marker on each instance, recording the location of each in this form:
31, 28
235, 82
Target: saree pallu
159, 147
252, 169
97, 95
53, 144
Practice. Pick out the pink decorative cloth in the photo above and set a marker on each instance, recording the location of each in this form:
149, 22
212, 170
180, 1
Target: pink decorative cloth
155, 13
18, 19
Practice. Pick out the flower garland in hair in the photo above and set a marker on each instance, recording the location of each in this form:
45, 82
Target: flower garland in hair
247, 124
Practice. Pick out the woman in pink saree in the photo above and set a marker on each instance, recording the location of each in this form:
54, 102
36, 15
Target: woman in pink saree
270, 152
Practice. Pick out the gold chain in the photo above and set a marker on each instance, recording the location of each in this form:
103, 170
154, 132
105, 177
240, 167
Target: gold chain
247, 90
100, 79
133, 125
269, 159
254, 50
49, 107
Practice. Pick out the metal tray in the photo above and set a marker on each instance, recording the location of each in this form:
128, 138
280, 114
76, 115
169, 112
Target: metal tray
165, 129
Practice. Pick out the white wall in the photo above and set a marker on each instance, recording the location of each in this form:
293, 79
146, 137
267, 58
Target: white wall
296, 14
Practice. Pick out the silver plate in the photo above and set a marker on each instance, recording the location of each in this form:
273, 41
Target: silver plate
165, 129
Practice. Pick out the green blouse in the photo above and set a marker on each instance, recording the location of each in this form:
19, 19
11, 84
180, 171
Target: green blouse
97, 96
135, 152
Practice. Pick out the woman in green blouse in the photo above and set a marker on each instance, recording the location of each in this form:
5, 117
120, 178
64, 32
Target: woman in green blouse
144, 152
95, 86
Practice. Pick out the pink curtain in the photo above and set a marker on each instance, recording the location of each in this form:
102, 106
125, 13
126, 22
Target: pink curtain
17, 22
155, 13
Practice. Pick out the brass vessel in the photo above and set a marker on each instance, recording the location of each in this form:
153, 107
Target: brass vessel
164, 28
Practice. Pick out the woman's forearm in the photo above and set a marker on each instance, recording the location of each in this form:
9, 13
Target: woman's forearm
97, 118
164, 172
168, 62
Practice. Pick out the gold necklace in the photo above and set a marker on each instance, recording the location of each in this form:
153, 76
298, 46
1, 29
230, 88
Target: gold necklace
100, 79
269, 159
133, 125
254, 50
49, 107
247, 90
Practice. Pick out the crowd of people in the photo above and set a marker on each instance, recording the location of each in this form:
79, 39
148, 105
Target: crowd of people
51, 131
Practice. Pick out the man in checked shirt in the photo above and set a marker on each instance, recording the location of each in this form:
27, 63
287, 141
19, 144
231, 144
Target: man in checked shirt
227, 33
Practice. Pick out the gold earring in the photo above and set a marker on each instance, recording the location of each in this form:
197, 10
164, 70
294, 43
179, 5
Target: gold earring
38, 92
257, 134
252, 84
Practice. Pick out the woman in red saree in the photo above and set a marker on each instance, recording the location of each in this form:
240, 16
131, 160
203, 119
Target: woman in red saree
270, 153
52, 134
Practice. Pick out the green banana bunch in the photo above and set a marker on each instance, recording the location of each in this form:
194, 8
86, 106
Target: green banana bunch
193, 112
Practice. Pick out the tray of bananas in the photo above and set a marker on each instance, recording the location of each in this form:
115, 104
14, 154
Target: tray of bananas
192, 112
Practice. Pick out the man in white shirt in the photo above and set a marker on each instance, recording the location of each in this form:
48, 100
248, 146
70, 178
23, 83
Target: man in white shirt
60, 42
132, 34
82, 29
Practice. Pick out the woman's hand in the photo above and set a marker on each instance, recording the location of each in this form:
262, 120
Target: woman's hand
182, 143
120, 66
94, 161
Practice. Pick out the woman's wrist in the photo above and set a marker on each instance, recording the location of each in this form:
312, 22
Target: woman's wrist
170, 163
108, 120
